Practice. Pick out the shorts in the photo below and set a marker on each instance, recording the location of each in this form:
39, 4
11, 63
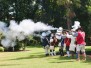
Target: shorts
72, 48
51, 47
80, 47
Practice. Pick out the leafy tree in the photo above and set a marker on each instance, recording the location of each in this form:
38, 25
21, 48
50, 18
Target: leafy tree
54, 12
3, 10
51, 13
89, 13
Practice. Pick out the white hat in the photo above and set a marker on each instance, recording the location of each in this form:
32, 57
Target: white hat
77, 22
76, 25
44, 34
60, 29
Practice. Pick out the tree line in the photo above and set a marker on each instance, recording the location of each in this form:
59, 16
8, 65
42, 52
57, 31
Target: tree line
53, 12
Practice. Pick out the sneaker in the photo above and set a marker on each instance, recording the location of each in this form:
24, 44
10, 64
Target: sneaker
84, 59
46, 54
78, 59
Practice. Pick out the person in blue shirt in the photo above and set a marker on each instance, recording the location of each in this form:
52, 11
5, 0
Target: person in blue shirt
45, 43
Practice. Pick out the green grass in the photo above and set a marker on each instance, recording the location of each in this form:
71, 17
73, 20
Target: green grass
34, 57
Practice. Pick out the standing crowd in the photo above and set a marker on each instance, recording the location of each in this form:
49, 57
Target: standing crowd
73, 42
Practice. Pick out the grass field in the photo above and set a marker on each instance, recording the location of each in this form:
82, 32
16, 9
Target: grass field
34, 57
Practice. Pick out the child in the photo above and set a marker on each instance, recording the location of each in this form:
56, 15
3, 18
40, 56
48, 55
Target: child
61, 46
67, 43
53, 41
45, 43
72, 44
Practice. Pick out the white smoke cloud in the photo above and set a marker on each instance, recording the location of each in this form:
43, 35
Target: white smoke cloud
16, 31
20, 31
39, 26
28, 26
2, 27
8, 43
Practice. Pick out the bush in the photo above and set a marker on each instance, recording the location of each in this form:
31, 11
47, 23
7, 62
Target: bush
1, 49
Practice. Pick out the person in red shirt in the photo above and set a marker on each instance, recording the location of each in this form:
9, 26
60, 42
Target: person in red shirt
67, 43
53, 42
80, 39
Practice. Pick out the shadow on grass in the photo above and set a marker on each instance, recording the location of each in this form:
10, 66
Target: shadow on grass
3, 65
30, 57
39, 46
66, 59
63, 59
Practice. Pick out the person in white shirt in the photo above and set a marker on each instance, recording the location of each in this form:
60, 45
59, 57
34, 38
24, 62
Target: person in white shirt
72, 44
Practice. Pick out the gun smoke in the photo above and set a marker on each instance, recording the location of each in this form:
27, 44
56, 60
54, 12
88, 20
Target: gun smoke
20, 31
